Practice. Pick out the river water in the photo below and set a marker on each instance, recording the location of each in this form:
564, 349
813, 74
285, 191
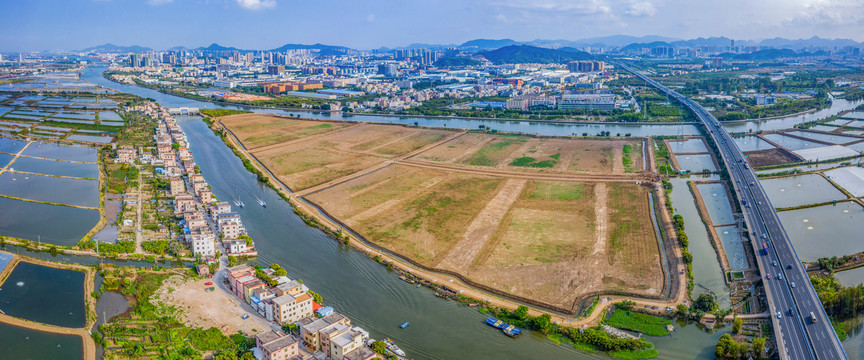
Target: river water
376, 300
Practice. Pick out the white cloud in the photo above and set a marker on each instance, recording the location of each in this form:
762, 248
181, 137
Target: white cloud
257, 4
643, 8
159, 2
370, 18
587, 7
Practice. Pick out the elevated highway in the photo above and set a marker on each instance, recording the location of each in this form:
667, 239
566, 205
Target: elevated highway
801, 326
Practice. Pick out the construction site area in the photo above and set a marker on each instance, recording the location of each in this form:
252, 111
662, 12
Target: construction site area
551, 220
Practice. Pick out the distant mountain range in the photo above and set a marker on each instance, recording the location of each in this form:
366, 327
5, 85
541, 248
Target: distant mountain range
111, 48
624, 42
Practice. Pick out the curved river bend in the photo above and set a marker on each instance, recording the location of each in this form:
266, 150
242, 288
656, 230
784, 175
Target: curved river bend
362, 289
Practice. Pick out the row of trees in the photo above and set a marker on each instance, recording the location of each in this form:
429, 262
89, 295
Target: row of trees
840, 302
728, 348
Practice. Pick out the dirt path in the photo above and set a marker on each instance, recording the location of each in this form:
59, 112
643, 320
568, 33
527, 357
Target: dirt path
482, 227
389, 204
521, 150
474, 148
617, 160
565, 160
374, 168
602, 217
527, 175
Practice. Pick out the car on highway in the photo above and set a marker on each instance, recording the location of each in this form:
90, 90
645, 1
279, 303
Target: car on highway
779, 276
792, 284
768, 276
789, 266
779, 315
774, 263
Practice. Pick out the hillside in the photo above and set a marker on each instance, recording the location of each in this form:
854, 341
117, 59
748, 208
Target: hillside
515, 54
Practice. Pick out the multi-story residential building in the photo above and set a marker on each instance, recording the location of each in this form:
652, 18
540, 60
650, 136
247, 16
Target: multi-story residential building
277, 345
288, 309
177, 186
203, 245
249, 288
238, 272
183, 203
311, 331
230, 229
293, 287
127, 155
345, 343
220, 207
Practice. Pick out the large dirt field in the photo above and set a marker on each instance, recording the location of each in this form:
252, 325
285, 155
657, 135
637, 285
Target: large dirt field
306, 163
489, 209
257, 130
551, 155
535, 239
770, 157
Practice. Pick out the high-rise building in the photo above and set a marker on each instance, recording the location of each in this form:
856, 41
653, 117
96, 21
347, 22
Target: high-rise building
134, 60
387, 69
586, 66
275, 69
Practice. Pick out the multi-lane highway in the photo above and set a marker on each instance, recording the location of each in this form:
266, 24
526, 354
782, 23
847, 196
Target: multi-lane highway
801, 327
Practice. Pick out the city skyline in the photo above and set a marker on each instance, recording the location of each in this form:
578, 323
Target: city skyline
266, 24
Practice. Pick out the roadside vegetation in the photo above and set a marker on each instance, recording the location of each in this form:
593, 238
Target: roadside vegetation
623, 317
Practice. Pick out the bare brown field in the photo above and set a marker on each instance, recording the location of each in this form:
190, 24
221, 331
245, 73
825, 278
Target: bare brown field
770, 157
542, 250
303, 164
257, 130
551, 155
419, 213
550, 241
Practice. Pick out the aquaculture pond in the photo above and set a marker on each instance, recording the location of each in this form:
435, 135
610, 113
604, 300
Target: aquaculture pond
5, 159
696, 163
830, 138
52, 224
792, 143
852, 277
850, 178
28, 344
800, 190
11, 146
752, 143
61, 152
688, 146
733, 246
44, 294
707, 273
829, 230
717, 202
80, 192
57, 168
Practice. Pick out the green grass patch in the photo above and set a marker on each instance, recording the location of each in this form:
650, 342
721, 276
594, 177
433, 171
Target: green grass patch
526, 161
556, 190
635, 321
214, 113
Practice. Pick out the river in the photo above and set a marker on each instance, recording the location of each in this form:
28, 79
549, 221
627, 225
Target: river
362, 289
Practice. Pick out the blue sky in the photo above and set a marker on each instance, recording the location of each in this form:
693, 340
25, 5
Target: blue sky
31, 25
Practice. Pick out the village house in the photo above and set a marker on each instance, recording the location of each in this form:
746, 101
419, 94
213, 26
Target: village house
177, 186
288, 309
183, 203
203, 245
311, 331
220, 207
231, 229
276, 345
346, 343
127, 155
235, 246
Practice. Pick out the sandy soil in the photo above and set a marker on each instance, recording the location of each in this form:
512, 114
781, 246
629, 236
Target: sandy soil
203, 309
